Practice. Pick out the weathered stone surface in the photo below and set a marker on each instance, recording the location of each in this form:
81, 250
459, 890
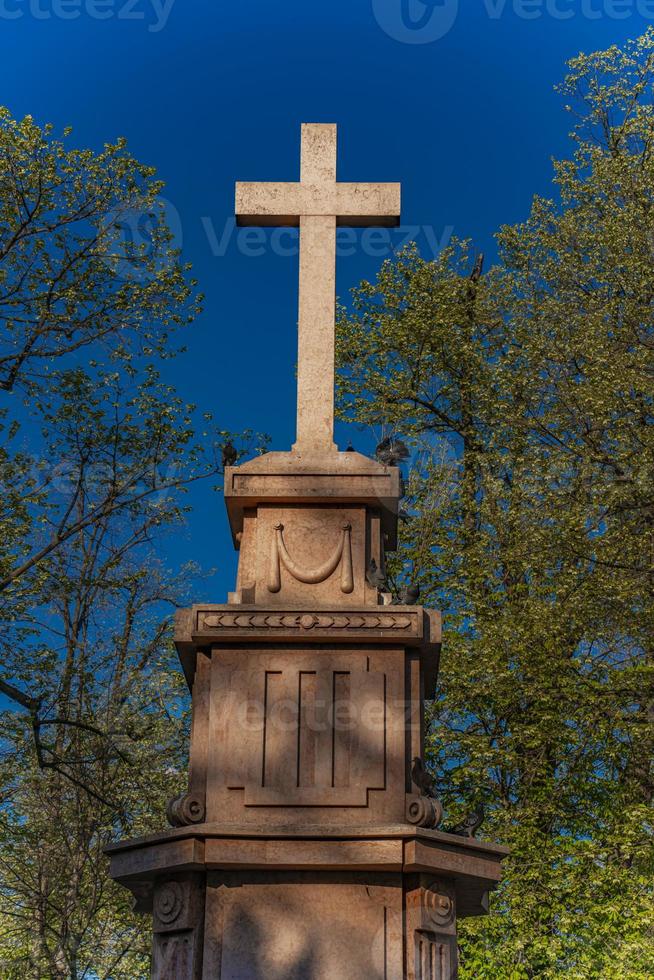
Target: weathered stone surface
298, 926
310, 479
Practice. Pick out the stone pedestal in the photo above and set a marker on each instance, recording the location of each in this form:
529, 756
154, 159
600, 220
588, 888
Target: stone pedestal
307, 845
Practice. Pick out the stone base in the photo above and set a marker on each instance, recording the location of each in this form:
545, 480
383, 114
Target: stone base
382, 905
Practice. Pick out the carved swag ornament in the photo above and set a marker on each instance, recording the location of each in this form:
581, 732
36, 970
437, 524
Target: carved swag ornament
342, 555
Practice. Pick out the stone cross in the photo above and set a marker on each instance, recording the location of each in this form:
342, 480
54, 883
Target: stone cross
317, 204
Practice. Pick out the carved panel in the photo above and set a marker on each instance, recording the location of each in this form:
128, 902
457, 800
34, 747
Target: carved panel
433, 957
302, 736
341, 556
172, 957
431, 920
178, 921
309, 555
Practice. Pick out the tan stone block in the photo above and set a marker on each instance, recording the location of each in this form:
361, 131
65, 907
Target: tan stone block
303, 733
278, 927
305, 855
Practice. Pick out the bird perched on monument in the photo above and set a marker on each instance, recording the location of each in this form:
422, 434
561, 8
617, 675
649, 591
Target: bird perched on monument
422, 778
391, 451
409, 595
375, 577
470, 823
230, 454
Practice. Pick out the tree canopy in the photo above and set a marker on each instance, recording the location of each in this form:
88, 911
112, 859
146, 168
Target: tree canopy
96, 456
527, 392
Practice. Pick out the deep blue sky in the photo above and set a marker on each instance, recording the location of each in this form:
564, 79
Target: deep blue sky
216, 90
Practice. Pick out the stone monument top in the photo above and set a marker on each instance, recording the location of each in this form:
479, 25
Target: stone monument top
317, 204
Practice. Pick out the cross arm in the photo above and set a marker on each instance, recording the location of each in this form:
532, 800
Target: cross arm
359, 205
270, 203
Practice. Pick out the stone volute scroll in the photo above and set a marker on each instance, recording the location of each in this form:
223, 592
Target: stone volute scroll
308, 844
423, 809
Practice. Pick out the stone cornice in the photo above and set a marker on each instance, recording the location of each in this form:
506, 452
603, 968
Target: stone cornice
390, 624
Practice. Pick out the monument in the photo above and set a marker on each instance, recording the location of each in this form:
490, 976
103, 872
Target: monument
307, 846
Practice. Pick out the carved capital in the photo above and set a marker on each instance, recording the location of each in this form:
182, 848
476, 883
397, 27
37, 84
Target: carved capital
431, 918
182, 811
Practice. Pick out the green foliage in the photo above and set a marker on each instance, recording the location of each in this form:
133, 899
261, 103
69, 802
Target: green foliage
528, 394
86, 254
96, 459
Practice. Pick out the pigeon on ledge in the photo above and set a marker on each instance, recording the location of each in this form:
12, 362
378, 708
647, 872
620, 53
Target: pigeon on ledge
375, 577
391, 451
469, 825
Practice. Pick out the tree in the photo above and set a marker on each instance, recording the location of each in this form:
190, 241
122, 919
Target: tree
88, 264
87, 258
97, 456
528, 393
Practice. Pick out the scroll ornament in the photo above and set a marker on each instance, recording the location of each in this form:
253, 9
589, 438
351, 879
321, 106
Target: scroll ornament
422, 808
342, 556
185, 810
423, 811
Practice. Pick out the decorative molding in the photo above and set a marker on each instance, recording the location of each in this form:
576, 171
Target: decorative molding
433, 960
169, 902
439, 906
304, 621
182, 811
423, 811
342, 556
248, 623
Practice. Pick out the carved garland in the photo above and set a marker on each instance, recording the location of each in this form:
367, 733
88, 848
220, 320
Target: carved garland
342, 555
